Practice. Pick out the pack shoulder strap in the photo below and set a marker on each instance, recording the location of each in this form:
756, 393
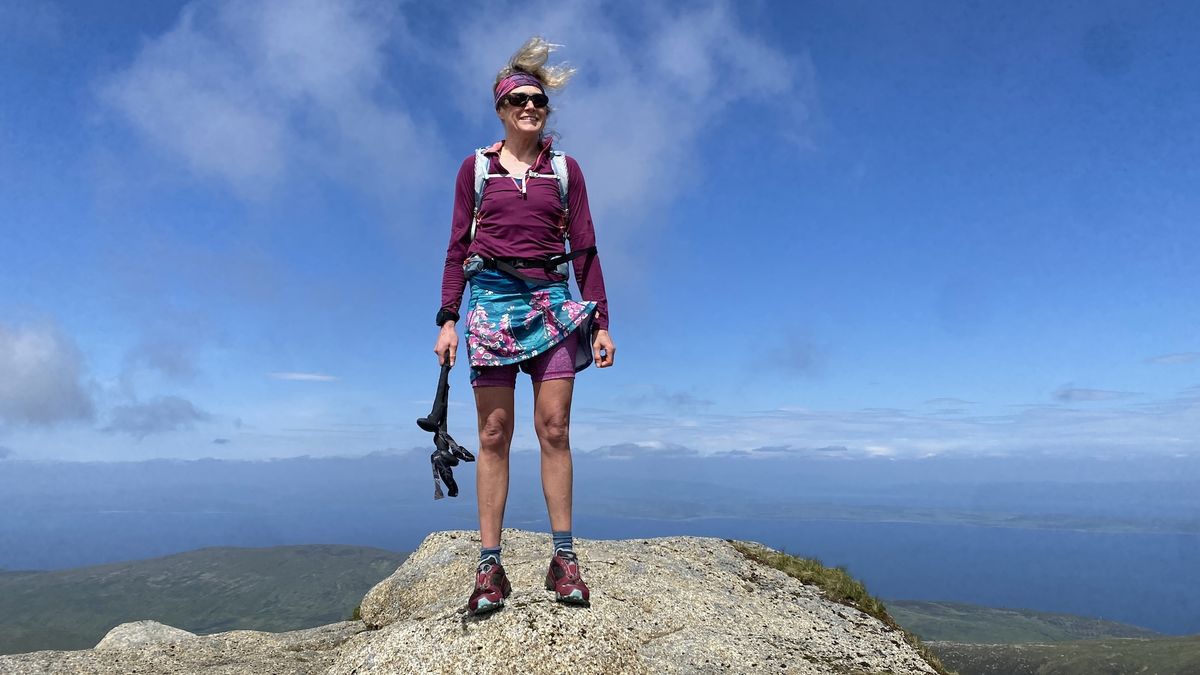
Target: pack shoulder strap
482, 164
558, 162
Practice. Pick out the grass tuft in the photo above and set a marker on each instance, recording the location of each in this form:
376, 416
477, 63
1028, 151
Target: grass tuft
837, 585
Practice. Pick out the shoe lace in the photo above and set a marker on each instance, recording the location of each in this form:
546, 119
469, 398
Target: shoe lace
485, 575
570, 565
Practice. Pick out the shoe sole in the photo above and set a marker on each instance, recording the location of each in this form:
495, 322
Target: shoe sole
578, 602
485, 607
567, 599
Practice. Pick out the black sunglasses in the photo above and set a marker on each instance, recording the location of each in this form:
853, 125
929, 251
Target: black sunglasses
518, 100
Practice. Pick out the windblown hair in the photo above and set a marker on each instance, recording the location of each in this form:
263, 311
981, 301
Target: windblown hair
531, 58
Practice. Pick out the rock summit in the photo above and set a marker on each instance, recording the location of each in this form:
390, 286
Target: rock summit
665, 605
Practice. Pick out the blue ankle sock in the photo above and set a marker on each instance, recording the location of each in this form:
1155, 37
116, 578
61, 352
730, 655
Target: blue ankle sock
563, 541
485, 553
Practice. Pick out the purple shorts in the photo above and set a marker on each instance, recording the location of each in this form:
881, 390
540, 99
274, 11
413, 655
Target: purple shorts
556, 364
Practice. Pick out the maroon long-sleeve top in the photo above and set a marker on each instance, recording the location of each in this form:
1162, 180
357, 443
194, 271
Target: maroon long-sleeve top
522, 224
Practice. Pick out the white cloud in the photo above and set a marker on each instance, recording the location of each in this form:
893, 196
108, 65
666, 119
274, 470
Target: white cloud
243, 92
302, 377
261, 95
41, 377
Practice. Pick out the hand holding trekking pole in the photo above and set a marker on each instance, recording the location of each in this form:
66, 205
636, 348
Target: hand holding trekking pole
447, 344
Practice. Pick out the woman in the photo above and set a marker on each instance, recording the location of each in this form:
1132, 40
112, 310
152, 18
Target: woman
521, 315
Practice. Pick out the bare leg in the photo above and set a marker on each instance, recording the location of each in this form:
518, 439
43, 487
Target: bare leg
494, 406
552, 422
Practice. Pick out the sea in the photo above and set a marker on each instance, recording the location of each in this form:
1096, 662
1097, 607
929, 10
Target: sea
1146, 579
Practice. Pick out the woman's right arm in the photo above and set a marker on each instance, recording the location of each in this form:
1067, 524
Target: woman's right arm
453, 282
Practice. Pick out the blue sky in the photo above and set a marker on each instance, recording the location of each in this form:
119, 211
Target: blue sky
828, 228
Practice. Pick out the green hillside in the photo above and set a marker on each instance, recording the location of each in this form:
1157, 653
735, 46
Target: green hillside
205, 591
958, 622
1159, 656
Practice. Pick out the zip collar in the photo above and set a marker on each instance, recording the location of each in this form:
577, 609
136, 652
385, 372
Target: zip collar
539, 164
494, 148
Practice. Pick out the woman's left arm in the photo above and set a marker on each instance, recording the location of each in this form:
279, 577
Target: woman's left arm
588, 273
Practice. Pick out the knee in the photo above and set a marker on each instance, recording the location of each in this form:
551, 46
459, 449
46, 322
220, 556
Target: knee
494, 434
554, 431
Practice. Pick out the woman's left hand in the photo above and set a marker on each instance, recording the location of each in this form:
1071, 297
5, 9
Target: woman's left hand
603, 349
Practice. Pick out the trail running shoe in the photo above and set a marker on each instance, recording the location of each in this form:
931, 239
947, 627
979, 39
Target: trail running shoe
563, 578
491, 588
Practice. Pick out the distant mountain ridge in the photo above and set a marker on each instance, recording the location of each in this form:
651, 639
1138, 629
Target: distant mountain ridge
961, 622
204, 591
1117, 656
976, 640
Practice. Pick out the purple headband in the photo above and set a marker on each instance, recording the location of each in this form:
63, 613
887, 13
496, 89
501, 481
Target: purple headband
517, 79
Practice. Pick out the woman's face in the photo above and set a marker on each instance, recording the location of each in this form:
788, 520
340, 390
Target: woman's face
526, 119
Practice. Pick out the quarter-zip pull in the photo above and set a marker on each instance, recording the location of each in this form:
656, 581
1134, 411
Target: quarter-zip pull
521, 182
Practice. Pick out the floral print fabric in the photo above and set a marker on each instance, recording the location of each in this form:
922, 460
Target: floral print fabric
511, 320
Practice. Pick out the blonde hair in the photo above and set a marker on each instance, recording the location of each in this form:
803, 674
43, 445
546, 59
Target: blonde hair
531, 58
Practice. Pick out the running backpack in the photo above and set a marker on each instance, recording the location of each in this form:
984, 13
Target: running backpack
558, 163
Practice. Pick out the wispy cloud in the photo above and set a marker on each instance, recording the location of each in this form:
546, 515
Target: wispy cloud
840, 451
303, 377
1070, 394
657, 395
41, 377
246, 92
159, 415
947, 400
792, 351
789, 351
652, 90
5, 452
173, 358
638, 450
1175, 359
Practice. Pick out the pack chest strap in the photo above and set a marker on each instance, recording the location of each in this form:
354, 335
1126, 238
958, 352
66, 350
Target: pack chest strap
558, 164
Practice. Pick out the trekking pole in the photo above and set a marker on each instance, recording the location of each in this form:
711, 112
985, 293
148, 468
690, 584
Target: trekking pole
446, 453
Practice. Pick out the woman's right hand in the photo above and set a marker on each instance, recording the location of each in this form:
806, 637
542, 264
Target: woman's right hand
447, 341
